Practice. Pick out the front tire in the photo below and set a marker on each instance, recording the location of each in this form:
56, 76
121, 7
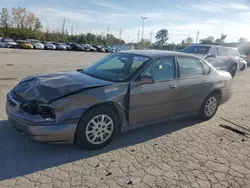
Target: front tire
97, 128
209, 106
243, 67
233, 71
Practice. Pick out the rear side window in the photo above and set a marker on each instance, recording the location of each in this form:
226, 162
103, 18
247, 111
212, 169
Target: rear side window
233, 52
221, 51
189, 67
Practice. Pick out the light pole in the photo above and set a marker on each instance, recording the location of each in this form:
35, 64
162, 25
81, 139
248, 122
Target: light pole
143, 19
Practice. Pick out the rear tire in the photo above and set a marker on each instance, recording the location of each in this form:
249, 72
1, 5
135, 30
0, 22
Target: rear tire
209, 106
93, 132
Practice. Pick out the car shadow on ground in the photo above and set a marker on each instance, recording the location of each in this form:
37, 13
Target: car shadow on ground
19, 155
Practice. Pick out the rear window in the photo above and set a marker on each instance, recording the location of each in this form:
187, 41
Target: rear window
197, 49
233, 52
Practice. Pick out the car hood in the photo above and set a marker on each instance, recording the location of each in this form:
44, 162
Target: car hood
50, 87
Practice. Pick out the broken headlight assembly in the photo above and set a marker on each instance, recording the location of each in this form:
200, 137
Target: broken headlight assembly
39, 109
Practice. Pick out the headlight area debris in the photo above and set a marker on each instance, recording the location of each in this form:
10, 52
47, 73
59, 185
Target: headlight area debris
35, 108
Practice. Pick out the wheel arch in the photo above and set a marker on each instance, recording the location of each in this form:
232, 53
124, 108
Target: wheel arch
111, 104
215, 91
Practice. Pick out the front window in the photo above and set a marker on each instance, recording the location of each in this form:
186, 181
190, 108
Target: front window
197, 49
233, 52
161, 69
116, 67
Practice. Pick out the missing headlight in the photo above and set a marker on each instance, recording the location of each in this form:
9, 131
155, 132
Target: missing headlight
39, 109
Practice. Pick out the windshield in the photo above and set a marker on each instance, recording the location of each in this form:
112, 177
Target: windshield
197, 49
116, 67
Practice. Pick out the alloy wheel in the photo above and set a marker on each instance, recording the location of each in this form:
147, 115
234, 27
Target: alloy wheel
99, 129
211, 106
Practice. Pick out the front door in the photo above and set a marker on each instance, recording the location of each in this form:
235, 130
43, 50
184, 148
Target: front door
150, 102
194, 85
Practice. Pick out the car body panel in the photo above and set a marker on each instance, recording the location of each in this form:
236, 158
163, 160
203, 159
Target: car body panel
72, 93
151, 101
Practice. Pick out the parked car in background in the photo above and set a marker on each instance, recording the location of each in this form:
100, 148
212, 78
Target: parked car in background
76, 47
8, 43
217, 56
91, 48
67, 46
247, 59
35, 43
109, 49
48, 45
60, 46
92, 105
235, 55
86, 49
99, 48
24, 44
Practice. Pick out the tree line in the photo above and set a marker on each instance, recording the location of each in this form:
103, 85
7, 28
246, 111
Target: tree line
20, 23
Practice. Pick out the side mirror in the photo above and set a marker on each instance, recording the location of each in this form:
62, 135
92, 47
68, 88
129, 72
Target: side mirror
146, 79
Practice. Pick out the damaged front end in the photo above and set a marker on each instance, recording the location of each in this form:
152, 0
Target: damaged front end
36, 108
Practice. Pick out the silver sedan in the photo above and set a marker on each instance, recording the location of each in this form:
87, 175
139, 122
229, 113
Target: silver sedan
122, 91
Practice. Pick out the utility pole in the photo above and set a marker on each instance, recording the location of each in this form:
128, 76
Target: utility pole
143, 19
138, 36
120, 34
63, 29
128, 39
151, 36
197, 37
72, 30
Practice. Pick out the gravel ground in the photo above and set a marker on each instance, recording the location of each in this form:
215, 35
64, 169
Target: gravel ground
184, 153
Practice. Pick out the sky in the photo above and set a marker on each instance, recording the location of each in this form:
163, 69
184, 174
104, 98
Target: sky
182, 18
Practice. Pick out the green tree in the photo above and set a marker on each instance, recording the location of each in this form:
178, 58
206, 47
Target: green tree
242, 40
162, 36
221, 39
5, 21
208, 40
189, 41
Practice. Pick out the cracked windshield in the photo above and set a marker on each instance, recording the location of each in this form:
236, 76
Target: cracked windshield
132, 94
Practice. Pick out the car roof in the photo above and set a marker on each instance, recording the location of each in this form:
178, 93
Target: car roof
156, 53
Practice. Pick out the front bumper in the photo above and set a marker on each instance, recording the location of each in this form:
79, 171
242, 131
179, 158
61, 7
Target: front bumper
36, 126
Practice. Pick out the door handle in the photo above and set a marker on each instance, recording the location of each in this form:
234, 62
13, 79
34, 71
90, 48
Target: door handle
173, 86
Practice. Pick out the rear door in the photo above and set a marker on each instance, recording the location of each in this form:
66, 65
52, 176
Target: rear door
150, 102
194, 84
